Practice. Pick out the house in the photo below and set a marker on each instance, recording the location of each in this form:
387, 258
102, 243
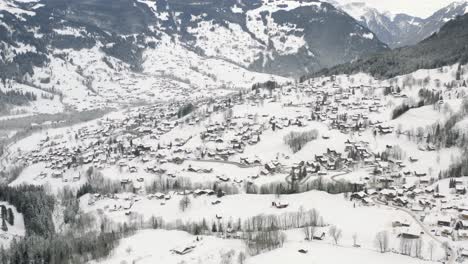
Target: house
321, 237
205, 191
400, 224
444, 221
446, 231
463, 214
384, 129
461, 225
279, 205
460, 189
270, 167
223, 178
359, 195
464, 253
183, 250
419, 174
409, 233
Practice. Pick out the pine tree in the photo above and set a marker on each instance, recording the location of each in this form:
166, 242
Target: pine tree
3, 255
4, 225
11, 217
3, 211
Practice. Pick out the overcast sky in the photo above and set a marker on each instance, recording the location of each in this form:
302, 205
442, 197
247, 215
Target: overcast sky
421, 8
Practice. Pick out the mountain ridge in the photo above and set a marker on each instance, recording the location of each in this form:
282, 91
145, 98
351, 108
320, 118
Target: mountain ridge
280, 37
398, 30
446, 47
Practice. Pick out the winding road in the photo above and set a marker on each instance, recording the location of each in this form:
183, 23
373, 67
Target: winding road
453, 255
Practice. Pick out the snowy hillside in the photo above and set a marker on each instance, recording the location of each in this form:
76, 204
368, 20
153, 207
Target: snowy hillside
83, 55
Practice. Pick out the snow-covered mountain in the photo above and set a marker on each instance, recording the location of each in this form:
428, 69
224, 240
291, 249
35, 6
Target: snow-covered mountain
445, 47
402, 29
281, 37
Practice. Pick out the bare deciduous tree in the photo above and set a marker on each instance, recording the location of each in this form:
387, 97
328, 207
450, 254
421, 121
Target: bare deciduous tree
184, 203
431, 248
418, 245
355, 239
306, 230
406, 246
446, 247
381, 241
335, 233
241, 258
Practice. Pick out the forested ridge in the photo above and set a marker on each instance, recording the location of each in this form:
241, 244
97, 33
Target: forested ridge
446, 47
42, 244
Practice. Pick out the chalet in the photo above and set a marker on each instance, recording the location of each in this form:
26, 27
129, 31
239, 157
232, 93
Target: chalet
409, 186
400, 201
464, 214
158, 195
320, 237
205, 191
128, 205
125, 181
425, 180
463, 234
461, 224
223, 178
417, 208
446, 231
464, 253
270, 167
279, 205
419, 174
359, 195
76, 177
250, 160
384, 129
409, 233
183, 250
400, 224
444, 221
430, 147
460, 189
57, 174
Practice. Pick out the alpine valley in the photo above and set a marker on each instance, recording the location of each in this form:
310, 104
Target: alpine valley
233, 132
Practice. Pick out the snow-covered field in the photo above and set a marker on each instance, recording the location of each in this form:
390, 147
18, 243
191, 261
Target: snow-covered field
154, 246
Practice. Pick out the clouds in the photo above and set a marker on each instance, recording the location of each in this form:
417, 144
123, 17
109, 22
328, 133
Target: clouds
421, 8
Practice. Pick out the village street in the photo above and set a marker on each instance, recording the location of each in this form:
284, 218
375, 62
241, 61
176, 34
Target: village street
453, 253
